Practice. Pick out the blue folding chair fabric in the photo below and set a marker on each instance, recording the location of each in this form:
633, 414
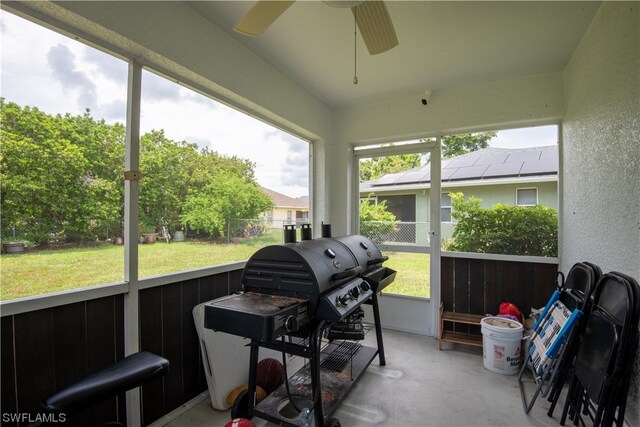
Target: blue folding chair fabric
544, 346
576, 292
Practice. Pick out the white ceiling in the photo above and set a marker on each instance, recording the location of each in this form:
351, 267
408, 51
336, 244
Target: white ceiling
441, 45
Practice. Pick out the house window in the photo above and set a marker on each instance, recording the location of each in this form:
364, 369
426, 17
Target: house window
527, 196
445, 207
289, 216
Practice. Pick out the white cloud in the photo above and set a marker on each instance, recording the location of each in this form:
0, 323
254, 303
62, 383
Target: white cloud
59, 75
526, 137
63, 65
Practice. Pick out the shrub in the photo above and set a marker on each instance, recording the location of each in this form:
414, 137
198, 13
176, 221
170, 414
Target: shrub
376, 221
503, 229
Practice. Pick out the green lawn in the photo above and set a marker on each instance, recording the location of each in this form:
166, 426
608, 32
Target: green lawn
413, 274
35, 273
41, 272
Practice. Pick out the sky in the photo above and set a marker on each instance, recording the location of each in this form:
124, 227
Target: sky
59, 75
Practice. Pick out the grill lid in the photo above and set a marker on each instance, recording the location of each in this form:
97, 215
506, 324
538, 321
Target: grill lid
310, 268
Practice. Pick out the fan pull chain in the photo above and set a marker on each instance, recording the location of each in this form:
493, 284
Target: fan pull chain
355, 56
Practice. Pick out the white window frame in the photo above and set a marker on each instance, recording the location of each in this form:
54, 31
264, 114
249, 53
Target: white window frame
527, 188
443, 206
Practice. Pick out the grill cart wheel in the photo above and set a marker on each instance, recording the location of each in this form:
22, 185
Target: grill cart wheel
240, 408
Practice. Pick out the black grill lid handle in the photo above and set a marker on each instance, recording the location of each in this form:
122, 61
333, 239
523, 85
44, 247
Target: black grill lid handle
349, 272
378, 260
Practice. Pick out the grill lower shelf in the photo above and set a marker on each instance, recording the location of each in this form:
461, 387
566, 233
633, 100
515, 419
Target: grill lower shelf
341, 364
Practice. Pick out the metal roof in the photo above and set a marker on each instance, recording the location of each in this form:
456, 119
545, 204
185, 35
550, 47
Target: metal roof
485, 164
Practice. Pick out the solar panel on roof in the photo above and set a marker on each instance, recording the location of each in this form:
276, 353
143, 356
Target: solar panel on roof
523, 156
446, 174
464, 161
503, 169
386, 180
410, 177
549, 153
543, 166
491, 158
468, 172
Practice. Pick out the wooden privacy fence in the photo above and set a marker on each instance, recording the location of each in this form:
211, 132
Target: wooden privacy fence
478, 283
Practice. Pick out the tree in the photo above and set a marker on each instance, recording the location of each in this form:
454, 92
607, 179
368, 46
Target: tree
57, 173
503, 229
375, 220
378, 166
62, 178
456, 145
226, 196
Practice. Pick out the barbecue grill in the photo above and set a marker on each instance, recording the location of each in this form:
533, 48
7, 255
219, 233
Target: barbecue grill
297, 290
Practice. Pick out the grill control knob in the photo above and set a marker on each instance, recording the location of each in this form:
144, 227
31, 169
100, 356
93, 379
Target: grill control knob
291, 324
341, 300
354, 292
364, 286
330, 253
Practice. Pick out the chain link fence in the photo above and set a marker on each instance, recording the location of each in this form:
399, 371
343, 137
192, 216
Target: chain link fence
398, 232
270, 230
22, 237
237, 230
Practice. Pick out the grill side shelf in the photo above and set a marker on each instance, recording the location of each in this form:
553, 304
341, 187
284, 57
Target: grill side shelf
260, 317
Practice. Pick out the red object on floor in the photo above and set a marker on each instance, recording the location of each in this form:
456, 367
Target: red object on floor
511, 309
240, 422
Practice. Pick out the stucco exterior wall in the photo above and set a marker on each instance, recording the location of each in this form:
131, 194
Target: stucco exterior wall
506, 194
601, 144
601, 151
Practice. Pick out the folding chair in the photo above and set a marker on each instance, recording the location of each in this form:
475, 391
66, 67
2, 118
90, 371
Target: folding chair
604, 361
577, 292
545, 345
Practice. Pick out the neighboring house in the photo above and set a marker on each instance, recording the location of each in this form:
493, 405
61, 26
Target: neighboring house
287, 210
526, 176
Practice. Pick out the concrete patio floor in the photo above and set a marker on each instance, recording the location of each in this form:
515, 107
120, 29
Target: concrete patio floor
419, 386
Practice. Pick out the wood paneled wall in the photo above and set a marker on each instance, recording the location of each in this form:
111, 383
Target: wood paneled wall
45, 350
478, 286
167, 328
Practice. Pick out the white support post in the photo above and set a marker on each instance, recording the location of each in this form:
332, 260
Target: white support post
435, 201
132, 176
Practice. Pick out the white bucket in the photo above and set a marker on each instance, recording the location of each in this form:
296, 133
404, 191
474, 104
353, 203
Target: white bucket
501, 345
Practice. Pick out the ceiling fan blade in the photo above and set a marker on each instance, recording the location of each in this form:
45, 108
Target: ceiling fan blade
261, 16
374, 23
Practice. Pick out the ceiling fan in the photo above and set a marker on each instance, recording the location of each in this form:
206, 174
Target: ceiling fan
372, 17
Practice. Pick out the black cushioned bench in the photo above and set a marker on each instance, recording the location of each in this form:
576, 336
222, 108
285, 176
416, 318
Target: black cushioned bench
125, 374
